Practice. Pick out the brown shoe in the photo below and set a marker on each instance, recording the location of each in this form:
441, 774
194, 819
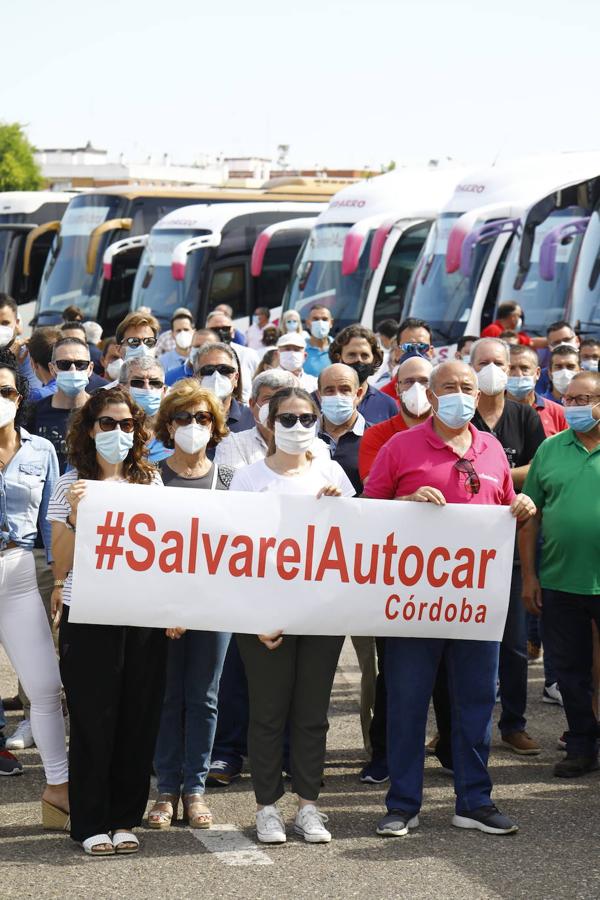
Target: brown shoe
520, 742
534, 653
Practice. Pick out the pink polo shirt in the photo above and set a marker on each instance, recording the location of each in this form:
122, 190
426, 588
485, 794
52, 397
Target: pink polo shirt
418, 458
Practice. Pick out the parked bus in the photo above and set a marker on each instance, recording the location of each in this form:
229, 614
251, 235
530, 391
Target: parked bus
358, 257
583, 306
200, 256
100, 217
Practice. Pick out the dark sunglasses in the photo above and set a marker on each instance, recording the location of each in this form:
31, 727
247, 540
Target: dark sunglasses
141, 383
107, 423
472, 482
222, 369
63, 365
416, 346
288, 420
200, 418
135, 342
8, 392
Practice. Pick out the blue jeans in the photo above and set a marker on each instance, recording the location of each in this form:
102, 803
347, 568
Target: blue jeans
189, 712
512, 671
567, 629
411, 665
2, 724
232, 724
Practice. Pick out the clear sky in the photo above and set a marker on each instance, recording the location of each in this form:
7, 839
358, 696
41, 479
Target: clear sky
343, 83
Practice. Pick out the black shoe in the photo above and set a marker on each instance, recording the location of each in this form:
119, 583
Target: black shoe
488, 819
12, 704
446, 763
573, 766
396, 823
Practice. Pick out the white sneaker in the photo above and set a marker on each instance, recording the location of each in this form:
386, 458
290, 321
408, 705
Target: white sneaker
309, 823
552, 694
21, 738
269, 826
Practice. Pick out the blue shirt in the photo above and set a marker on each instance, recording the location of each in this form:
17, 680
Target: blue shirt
376, 407
172, 360
548, 395
26, 485
183, 370
46, 390
316, 360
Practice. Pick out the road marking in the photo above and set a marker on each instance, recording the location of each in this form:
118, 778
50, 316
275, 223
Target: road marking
231, 846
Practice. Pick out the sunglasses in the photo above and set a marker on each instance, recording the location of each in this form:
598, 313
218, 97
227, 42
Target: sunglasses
141, 383
288, 420
135, 342
222, 369
8, 392
418, 346
472, 482
200, 418
64, 365
107, 423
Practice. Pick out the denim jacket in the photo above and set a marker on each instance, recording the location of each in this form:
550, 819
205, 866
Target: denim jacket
26, 485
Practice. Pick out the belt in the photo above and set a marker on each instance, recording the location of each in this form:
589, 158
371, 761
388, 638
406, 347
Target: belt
10, 546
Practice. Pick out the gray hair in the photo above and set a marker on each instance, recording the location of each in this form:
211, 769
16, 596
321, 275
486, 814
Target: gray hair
209, 347
484, 341
64, 342
143, 363
274, 379
218, 312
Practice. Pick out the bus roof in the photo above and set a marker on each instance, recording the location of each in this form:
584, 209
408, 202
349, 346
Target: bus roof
319, 190
214, 217
30, 201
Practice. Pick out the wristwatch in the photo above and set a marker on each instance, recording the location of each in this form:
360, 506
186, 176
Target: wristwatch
59, 582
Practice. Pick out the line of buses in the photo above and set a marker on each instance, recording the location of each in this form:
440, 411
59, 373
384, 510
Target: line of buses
442, 243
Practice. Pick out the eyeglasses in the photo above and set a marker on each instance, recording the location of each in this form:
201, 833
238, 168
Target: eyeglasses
424, 382
63, 365
8, 392
418, 346
152, 382
222, 369
288, 420
580, 400
135, 342
472, 482
200, 418
107, 423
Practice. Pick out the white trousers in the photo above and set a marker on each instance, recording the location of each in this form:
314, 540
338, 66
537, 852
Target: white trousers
26, 638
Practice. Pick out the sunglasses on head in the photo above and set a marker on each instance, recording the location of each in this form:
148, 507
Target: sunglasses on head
63, 365
288, 420
222, 369
417, 346
107, 423
135, 342
8, 392
141, 383
203, 417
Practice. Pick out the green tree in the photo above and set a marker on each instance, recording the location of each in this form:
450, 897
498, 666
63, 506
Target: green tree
18, 169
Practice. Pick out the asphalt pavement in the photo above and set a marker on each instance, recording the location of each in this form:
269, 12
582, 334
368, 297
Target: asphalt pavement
556, 853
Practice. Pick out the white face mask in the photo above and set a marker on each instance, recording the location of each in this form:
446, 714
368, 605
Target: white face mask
6, 335
183, 339
192, 438
220, 385
263, 413
415, 400
8, 411
294, 440
291, 360
492, 380
113, 369
562, 378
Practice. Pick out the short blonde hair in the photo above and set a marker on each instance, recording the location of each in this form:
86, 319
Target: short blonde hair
183, 395
137, 320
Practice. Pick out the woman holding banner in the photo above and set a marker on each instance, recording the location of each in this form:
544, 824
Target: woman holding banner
290, 676
190, 419
112, 674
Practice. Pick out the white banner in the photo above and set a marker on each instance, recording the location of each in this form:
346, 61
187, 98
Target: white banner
257, 563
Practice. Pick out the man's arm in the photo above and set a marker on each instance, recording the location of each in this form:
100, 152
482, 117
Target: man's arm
527, 538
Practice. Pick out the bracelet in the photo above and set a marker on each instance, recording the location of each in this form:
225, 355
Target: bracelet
59, 582
69, 524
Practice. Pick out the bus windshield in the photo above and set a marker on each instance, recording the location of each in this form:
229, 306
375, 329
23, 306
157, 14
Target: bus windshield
65, 279
542, 302
585, 301
154, 285
442, 299
318, 276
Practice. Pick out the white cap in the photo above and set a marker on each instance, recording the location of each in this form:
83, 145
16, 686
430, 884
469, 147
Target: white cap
293, 339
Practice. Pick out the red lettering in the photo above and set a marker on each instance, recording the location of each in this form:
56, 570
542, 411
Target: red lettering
141, 540
394, 598
175, 551
462, 576
212, 561
409, 580
310, 547
288, 559
486, 556
466, 611
435, 611
264, 545
371, 576
408, 610
389, 550
241, 563
450, 607
193, 546
337, 562
432, 578
480, 614
422, 607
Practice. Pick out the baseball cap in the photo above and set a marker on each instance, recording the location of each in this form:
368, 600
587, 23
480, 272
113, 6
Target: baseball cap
291, 340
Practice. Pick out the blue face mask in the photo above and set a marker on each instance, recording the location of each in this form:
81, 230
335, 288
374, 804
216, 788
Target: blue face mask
72, 382
590, 365
580, 418
520, 385
147, 398
113, 446
320, 328
291, 325
337, 409
138, 352
455, 410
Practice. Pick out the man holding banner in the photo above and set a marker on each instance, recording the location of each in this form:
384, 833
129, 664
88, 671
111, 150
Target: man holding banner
445, 460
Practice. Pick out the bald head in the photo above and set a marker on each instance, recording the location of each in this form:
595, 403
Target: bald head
414, 369
451, 376
335, 375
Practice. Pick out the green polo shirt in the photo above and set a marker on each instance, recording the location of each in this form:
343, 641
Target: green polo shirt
564, 483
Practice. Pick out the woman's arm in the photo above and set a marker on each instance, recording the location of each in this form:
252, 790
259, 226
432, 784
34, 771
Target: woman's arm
63, 547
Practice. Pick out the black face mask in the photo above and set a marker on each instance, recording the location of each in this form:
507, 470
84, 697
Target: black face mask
223, 333
363, 370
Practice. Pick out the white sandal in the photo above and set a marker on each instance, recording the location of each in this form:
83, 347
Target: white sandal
125, 837
97, 840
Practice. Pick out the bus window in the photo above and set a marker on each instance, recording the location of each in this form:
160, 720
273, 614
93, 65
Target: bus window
228, 285
390, 299
272, 281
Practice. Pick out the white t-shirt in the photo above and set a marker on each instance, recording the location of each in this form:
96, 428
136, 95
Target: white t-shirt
259, 477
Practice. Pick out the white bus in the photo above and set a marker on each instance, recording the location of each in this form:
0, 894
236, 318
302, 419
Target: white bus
583, 306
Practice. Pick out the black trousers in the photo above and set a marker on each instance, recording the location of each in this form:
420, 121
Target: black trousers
290, 684
114, 679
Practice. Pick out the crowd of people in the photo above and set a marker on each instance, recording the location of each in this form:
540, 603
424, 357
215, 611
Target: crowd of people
295, 408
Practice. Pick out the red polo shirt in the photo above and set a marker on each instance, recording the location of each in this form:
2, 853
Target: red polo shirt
373, 440
496, 329
552, 415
